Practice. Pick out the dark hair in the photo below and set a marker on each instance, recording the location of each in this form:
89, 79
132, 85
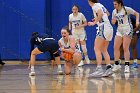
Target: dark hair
34, 33
77, 7
93, 1
67, 29
122, 4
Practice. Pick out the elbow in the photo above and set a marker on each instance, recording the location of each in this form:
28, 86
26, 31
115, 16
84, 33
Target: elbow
86, 23
113, 22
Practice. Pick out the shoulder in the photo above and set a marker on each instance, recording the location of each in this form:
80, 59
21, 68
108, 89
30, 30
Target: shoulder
96, 6
114, 11
128, 8
60, 40
71, 15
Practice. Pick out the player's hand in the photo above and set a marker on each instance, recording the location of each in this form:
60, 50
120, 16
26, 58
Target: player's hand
62, 49
93, 19
91, 23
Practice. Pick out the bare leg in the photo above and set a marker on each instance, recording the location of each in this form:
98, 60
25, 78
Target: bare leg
133, 46
105, 52
126, 44
117, 44
32, 60
97, 48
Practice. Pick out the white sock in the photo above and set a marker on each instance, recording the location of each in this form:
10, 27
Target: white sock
86, 57
135, 60
59, 67
99, 66
32, 69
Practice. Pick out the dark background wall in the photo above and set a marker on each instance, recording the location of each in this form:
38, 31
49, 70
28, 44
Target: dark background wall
19, 18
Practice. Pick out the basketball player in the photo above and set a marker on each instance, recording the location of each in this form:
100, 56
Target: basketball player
68, 44
44, 44
124, 32
77, 22
103, 36
134, 41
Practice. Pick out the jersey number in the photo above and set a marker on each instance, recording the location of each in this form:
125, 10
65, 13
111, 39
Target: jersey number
76, 24
120, 21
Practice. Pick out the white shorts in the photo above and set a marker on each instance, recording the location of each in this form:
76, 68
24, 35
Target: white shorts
79, 36
123, 31
105, 31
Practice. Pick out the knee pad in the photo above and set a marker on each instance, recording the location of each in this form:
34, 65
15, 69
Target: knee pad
84, 48
56, 54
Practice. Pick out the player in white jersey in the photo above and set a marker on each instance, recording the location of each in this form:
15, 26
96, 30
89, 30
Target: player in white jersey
68, 45
103, 36
77, 22
124, 32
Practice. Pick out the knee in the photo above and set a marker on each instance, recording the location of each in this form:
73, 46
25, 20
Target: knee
77, 55
33, 53
126, 48
96, 49
116, 48
104, 50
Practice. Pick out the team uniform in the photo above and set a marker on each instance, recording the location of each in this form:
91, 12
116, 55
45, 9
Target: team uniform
124, 28
67, 45
124, 22
104, 29
79, 34
44, 44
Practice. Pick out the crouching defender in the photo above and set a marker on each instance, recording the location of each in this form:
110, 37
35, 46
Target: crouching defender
44, 44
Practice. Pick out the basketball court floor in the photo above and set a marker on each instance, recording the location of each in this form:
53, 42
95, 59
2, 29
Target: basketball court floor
14, 78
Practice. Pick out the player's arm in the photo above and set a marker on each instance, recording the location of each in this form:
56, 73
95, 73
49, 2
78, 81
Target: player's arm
114, 20
137, 18
135, 13
70, 25
99, 17
137, 28
108, 14
72, 46
84, 22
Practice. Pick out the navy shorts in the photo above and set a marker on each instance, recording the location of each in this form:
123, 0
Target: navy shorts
49, 46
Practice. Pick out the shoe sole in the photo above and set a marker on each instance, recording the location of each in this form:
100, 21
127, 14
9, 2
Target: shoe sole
60, 73
33, 74
107, 75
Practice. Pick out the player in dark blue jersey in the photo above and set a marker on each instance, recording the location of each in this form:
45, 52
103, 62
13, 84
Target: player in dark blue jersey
136, 35
44, 44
